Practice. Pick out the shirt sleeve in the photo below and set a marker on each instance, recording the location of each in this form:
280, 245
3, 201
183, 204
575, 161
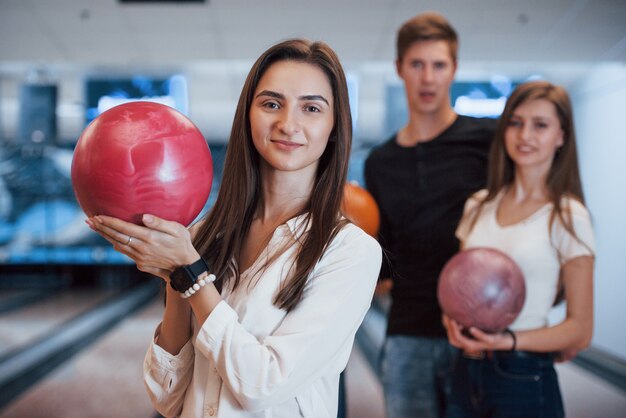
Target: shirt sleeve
167, 376
471, 204
569, 246
313, 340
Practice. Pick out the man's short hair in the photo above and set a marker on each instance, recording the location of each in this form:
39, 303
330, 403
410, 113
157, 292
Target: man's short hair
426, 27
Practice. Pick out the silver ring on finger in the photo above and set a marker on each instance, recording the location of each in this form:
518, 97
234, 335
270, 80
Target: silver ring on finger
130, 239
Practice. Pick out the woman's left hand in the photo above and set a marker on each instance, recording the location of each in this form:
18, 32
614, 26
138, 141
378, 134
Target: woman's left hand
157, 248
473, 339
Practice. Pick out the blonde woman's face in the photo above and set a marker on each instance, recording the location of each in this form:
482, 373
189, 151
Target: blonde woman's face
534, 134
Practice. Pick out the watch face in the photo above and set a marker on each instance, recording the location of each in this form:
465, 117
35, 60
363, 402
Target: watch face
180, 280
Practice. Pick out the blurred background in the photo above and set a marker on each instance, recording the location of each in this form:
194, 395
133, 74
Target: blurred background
76, 317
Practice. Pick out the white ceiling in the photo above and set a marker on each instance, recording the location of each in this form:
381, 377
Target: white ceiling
214, 43
108, 33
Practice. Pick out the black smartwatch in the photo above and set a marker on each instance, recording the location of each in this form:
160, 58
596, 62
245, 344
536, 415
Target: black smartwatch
184, 277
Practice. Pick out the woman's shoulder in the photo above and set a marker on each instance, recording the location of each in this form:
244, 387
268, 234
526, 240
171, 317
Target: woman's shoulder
352, 249
476, 199
577, 238
575, 207
353, 233
480, 195
352, 239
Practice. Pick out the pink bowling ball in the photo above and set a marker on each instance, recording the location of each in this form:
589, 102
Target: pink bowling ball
142, 157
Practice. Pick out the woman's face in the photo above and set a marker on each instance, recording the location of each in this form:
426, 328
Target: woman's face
533, 135
291, 116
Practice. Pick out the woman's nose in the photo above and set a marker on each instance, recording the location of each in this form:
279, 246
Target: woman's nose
289, 123
525, 131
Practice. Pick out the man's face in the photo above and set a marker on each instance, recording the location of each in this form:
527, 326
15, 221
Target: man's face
427, 69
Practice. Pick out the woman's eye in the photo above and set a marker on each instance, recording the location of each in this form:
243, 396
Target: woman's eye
312, 108
515, 123
271, 105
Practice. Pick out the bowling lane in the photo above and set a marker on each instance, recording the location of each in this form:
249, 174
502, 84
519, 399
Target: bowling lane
106, 380
585, 395
26, 324
101, 382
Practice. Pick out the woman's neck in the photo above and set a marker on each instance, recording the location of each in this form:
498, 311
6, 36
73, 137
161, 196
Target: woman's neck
285, 195
529, 187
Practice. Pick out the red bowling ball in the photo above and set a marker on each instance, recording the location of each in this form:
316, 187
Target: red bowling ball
142, 157
483, 288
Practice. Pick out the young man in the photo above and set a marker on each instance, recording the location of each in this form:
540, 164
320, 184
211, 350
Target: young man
420, 179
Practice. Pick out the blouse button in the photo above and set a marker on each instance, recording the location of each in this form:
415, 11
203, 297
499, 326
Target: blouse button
211, 412
173, 362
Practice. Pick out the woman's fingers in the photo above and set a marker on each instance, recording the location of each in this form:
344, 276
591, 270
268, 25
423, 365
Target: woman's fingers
126, 233
461, 338
115, 237
118, 229
162, 225
156, 230
480, 335
454, 332
471, 339
160, 244
126, 248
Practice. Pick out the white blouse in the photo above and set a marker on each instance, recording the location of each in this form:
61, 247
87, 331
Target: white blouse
537, 250
251, 359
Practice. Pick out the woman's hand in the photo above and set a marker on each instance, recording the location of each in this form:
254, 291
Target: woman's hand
157, 248
473, 339
566, 355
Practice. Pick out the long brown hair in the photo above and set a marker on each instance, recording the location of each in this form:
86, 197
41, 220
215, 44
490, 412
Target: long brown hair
563, 177
219, 239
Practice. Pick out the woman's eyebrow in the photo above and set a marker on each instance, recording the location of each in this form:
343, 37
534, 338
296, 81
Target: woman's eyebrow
276, 95
314, 97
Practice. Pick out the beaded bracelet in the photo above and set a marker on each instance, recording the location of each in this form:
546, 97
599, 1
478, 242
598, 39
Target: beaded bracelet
198, 285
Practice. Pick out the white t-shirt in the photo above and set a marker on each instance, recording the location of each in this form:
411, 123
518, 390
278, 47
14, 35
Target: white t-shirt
251, 359
530, 245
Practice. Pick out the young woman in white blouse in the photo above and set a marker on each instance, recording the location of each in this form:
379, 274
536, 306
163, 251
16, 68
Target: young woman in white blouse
532, 210
294, 278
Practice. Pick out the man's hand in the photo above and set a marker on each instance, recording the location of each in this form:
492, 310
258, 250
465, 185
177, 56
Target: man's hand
383, 287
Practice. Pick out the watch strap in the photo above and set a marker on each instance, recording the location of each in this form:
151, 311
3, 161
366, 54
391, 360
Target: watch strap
196, 268
184, 277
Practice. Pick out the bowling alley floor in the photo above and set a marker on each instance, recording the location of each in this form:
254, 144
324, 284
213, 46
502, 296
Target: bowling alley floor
105, 381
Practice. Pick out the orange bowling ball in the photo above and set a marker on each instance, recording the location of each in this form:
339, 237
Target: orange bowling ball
360, 208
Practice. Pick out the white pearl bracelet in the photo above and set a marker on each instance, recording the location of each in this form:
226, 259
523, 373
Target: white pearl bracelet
198, 285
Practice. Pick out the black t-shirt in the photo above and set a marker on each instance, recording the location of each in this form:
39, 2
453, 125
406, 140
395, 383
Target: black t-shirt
421, 191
